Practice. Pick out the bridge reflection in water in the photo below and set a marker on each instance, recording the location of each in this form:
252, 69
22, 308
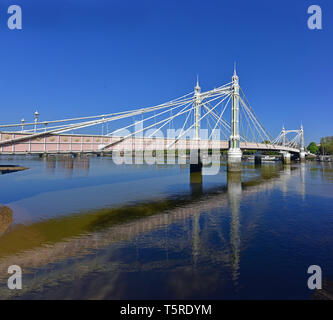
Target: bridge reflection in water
67, 163
58, 251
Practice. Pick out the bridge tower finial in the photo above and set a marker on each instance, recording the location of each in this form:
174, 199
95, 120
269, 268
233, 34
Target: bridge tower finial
197, 85
235, 77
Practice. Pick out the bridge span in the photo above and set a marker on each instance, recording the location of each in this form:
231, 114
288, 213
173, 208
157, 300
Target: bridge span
165, 127
20, 143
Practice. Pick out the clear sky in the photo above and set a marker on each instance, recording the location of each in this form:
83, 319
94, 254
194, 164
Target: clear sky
79, 57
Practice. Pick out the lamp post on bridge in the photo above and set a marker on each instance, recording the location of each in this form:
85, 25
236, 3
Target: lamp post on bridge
36, 115
234, 152
22, 121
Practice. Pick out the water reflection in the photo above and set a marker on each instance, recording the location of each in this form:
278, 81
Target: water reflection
326, 293
196, 191
234, 197
205, 231
69, 163
196, 184
287, 174
302, 184
327, 171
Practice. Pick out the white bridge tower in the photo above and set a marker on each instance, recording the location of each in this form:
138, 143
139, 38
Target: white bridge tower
197, 110
234, 152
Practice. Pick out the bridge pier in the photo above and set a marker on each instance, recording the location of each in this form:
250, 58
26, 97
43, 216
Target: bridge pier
302, 156
195, 161
286, 156
234, 160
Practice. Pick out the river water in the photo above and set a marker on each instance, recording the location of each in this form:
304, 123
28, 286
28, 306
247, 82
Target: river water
86, 228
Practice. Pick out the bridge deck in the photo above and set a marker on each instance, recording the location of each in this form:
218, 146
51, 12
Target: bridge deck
21, 143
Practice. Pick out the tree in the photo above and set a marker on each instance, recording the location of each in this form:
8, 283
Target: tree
326, 145
313, 148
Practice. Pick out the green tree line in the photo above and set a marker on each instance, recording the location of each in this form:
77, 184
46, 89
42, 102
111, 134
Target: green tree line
325, 147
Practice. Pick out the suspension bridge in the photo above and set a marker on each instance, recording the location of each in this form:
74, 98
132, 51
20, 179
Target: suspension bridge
196, 121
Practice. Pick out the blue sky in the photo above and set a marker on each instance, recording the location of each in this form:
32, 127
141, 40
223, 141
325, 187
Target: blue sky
79, 57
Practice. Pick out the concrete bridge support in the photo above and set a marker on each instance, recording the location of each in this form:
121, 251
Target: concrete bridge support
235, 153
195, 161
286, 156
302, 156
234, 160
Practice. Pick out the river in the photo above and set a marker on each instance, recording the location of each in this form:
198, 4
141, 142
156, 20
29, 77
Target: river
86, 228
